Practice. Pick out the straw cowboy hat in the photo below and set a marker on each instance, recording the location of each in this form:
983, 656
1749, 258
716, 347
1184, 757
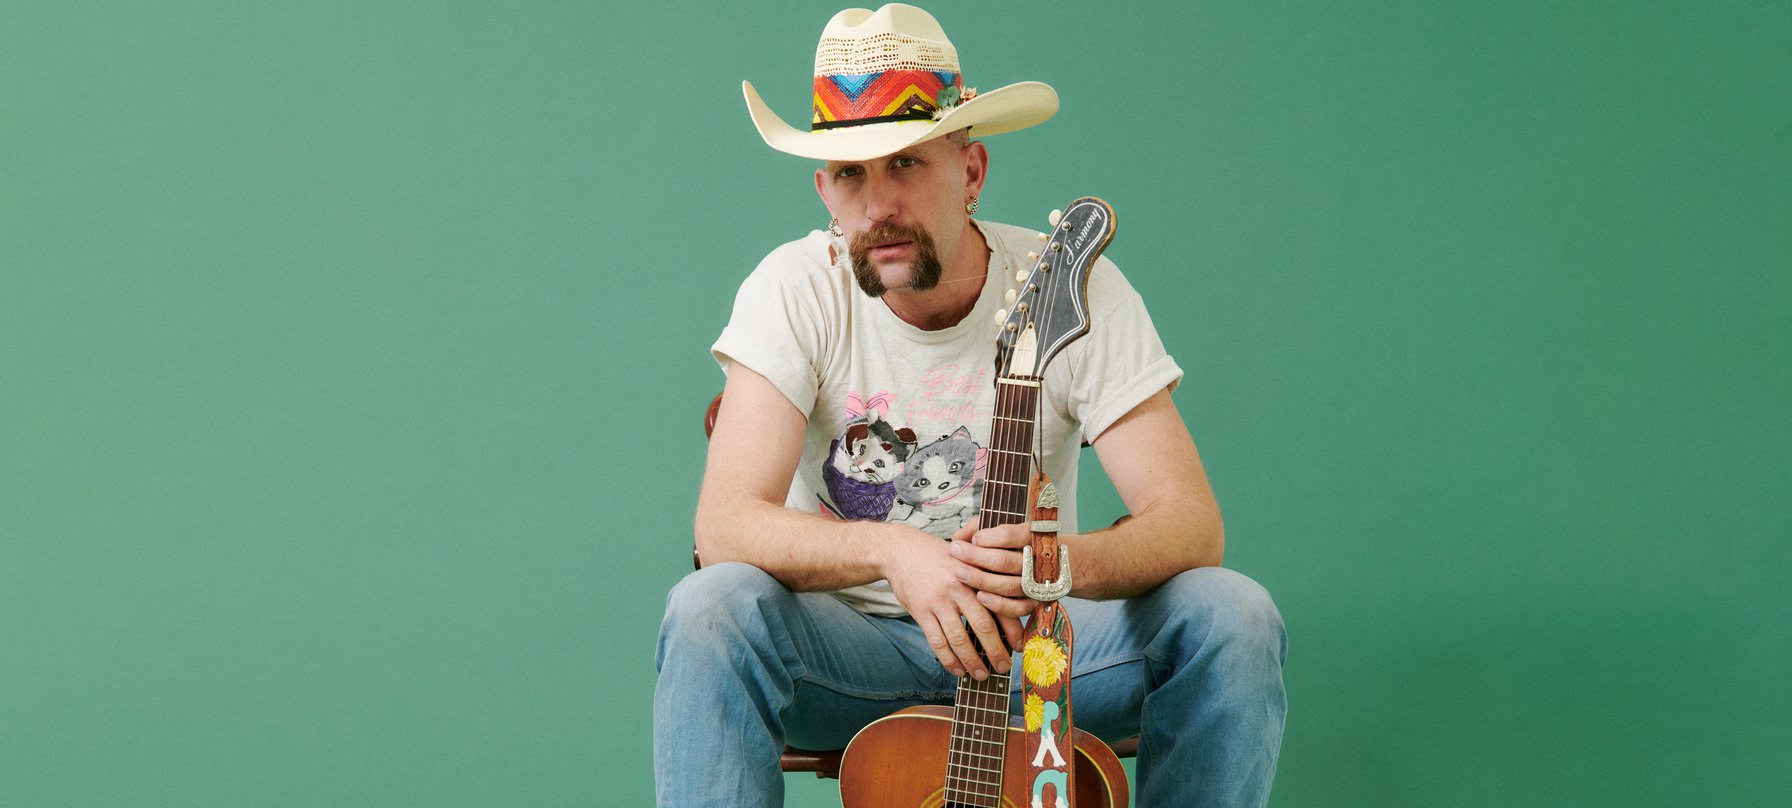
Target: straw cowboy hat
888, 79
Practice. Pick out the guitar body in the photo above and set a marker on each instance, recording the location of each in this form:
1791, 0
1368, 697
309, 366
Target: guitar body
899, 761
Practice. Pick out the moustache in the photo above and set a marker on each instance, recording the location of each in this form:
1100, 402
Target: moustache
886, 233
924, 272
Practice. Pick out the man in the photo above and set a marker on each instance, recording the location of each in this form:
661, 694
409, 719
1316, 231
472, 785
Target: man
844, 576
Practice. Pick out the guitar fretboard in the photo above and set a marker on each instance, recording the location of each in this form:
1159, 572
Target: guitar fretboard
980, 710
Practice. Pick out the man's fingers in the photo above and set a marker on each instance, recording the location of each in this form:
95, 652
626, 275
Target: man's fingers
959, 644
1012, 537
1005, 585
1016, 607
1012, 630
1004, 562
989, 636
942, 650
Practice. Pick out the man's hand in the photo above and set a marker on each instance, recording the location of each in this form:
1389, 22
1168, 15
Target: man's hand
929, 582
991, 565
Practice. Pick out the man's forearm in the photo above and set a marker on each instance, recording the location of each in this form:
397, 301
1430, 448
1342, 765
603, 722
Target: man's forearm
1143, 552
804, 551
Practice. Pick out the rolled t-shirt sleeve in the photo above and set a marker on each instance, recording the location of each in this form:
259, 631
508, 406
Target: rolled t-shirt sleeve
1122, 361
777, 330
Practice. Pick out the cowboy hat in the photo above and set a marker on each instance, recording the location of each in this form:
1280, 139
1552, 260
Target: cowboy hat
888, 79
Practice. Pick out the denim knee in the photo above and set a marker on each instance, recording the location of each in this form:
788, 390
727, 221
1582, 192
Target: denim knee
1221, 608
725, 600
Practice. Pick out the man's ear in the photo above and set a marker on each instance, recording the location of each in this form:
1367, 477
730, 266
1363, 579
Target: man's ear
821, 188
976, 167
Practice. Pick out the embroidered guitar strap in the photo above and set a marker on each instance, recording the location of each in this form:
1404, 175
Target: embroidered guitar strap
1045, 656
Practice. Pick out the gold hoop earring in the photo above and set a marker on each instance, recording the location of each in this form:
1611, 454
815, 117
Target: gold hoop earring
834, 227
971, 206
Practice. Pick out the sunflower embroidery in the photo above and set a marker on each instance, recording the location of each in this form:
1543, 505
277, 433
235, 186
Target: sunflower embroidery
1035, 712
1043, 661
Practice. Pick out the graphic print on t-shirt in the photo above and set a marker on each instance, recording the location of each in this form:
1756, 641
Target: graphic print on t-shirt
863, 462
874, 470
941, 484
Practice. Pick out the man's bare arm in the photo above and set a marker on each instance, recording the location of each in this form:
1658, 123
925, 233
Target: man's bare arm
1175, 524
753, 453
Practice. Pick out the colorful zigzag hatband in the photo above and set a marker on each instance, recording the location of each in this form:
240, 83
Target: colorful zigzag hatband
889, 95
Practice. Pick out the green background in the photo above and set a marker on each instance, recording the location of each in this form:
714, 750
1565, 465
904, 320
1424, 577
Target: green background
352, 357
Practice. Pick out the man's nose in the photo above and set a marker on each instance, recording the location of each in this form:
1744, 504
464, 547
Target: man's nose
882, 202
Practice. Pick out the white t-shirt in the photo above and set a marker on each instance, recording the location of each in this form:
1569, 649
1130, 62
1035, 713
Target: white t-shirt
898, 417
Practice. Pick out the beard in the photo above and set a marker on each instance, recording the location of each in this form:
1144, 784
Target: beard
924, 270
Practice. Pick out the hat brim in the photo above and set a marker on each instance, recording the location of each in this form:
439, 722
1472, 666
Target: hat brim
1016, 106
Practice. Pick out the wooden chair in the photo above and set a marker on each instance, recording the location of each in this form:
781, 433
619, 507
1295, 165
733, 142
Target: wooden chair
826, 764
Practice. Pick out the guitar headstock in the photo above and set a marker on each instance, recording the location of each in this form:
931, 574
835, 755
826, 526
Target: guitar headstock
1050, 309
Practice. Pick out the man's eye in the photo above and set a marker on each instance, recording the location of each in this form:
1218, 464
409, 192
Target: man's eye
847, 172
904, 162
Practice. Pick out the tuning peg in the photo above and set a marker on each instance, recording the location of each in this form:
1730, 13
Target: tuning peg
1001, 315
1056, 215
1043, 237
1010, 296
1032, 256
1020, 276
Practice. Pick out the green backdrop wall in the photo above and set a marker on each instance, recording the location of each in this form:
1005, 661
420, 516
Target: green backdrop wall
352, 357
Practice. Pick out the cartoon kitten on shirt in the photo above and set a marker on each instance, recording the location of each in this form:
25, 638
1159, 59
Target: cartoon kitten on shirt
862, 465
941, 485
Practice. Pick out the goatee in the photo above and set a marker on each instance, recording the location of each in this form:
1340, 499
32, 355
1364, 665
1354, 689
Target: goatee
924, 270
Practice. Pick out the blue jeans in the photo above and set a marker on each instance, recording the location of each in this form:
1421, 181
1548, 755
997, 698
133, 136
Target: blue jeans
1194, 668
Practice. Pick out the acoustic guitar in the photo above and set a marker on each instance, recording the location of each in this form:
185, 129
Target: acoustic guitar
973, 754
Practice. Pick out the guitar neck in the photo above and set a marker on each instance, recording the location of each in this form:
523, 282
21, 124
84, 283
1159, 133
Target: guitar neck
1010, 475
980, 710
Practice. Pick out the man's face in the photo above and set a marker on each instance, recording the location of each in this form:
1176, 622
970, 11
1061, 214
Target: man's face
903, 214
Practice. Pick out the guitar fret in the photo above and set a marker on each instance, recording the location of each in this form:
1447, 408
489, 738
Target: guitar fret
997, 756
991, 712
997, 703
991, 755
970, 781
975, 777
